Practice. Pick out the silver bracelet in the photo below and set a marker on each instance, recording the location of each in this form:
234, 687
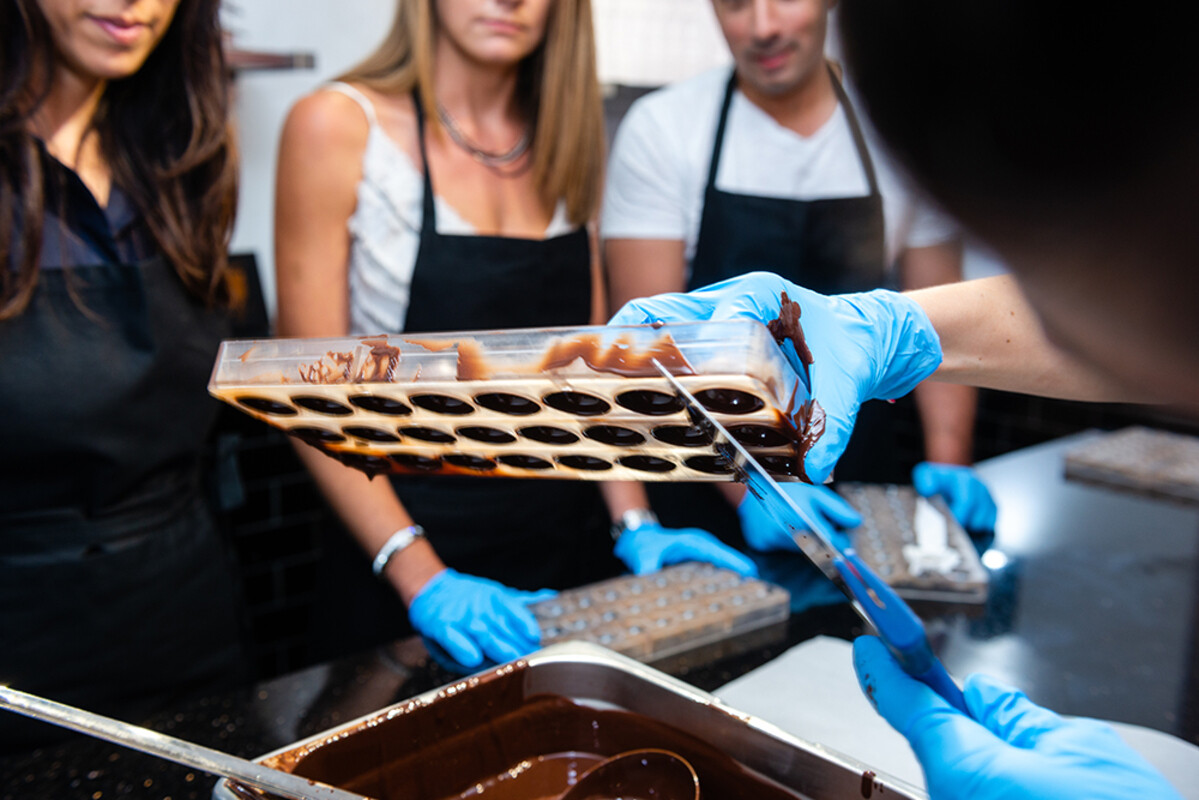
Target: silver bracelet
398, 541
632, 519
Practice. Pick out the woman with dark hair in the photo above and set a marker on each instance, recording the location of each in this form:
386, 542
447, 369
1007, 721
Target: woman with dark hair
117, 195
449, 183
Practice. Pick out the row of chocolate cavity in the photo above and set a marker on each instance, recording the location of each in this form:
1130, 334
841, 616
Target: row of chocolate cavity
583, 404
778, 464
750, 435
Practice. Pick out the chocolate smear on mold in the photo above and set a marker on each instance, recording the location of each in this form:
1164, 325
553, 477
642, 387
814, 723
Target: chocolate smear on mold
332, 368
787, 326
380, 363
618, 358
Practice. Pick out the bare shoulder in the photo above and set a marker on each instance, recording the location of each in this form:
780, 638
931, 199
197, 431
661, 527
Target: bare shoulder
328, 122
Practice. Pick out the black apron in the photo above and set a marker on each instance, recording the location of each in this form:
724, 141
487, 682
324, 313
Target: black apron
527, 534
116, 593
829, 245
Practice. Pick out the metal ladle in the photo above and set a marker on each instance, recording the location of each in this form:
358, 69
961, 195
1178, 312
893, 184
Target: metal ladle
274, 781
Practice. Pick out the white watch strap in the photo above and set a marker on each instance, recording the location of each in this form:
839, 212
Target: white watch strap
399, 540
631, 520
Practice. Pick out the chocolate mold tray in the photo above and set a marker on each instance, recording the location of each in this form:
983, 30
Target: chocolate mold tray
579, 403
1142, 460
653, 617
578, 700
888, 528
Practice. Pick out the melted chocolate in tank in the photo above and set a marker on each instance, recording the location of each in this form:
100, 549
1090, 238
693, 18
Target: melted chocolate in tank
474, 736
506, 403
547, 434
649, 402
322, 405
482, 433
729, 401
380, 405
442, 404
579, 403
266, 405
614, 435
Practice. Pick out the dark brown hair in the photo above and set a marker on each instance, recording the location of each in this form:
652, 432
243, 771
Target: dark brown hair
164, 131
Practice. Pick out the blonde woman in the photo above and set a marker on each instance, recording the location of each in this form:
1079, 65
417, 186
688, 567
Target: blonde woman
448, 183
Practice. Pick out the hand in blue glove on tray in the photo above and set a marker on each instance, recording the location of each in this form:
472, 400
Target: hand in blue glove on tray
966, 495
1008, 747
824, 507
473, 618
873, 345
649, 547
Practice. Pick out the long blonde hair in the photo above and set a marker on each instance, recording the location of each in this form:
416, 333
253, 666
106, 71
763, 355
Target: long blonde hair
557, 87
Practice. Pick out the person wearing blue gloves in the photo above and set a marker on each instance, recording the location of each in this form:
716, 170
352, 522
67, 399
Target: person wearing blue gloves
1088, 193
767, 166
448, 183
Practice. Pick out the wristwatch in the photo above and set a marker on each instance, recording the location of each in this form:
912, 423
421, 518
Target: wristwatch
631, 520
400, 540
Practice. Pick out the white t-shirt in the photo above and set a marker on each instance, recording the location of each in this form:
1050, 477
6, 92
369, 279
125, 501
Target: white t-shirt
662, 152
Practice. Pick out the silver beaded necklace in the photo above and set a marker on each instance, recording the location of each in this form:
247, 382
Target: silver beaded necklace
484, 157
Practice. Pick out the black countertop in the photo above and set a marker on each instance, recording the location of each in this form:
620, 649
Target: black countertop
1093, 614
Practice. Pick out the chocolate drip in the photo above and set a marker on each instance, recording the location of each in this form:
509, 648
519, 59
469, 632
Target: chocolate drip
787, 327
266, 405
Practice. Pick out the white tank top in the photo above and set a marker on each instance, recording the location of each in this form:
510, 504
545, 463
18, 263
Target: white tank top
385, 228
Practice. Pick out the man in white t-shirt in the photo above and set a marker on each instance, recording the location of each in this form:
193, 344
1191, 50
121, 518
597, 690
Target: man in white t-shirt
768, 166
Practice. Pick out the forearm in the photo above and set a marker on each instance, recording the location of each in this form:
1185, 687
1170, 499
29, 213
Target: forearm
371, 512
947, 415
991, 338
622, 496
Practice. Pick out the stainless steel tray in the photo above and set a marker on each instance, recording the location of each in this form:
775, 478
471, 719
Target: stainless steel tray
579, 403
450, 736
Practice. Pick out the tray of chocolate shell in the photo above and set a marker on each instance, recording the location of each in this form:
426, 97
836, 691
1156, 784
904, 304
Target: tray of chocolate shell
574, 403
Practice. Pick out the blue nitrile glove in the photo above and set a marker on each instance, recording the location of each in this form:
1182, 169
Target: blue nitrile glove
649, 547
1010, 748
827, 509
475, 617
872, 345
965, 494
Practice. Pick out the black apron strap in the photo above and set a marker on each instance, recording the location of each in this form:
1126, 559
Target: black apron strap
718, 142
855, 129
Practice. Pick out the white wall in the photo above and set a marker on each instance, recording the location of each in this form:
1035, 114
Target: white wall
339, 33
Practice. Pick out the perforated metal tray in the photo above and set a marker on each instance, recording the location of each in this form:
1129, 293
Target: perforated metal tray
581, 403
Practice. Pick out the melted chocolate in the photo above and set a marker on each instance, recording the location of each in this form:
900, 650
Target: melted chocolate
442, 404
481, 433
618, 358
525, 462
547, 434
468, 739
589, 463
370, 434
316, 435
333, 368
712, 465
729, 401
759, 436
467, 461
787, 327
428, 434
615, 435
322, 405
379, 365
472, 364
380, 405
507, 403
371, 465
578, 403
266, 405
647, 463
682, 435
415, 462
780, 465
649, 402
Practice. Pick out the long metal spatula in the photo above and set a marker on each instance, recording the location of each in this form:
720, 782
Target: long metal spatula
274, 781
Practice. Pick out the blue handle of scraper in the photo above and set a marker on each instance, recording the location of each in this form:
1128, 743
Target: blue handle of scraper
899, 628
